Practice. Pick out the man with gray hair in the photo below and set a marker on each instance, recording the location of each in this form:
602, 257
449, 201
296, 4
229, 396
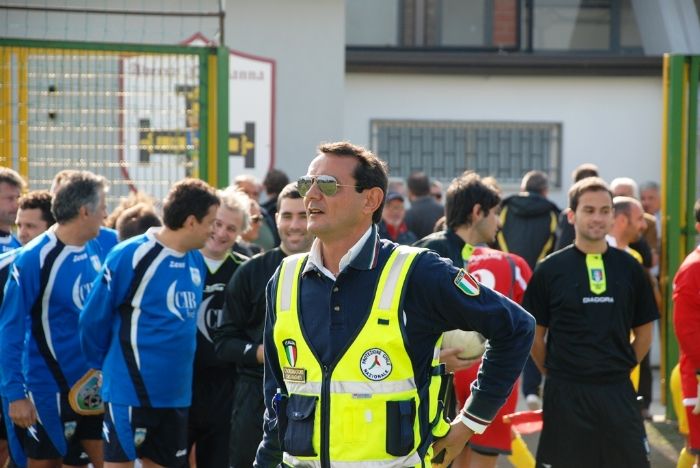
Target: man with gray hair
41, 358
11, 185
107, 237
624, 186
267, 237
213, 379
650, 196
239, 338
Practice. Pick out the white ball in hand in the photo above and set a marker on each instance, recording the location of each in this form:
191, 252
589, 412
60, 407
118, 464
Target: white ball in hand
473, 344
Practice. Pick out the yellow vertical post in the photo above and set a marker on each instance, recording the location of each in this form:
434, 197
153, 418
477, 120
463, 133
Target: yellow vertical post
212, 127
23, 114
6, 106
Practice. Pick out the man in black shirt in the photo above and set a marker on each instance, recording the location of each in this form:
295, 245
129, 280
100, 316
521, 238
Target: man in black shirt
239, 339
213, 379
587, 299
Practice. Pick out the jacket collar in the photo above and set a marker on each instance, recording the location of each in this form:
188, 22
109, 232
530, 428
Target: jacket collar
361, 256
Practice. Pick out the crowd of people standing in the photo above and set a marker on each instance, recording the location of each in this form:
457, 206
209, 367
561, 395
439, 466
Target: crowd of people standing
306, 330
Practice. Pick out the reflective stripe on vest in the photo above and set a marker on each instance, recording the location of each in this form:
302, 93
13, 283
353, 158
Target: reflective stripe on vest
414, 460
373, 374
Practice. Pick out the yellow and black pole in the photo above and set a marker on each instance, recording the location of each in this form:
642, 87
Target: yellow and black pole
680, 93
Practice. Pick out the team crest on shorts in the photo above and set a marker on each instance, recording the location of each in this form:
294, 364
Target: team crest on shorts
139, 436
375, 364
196, 277
69, 429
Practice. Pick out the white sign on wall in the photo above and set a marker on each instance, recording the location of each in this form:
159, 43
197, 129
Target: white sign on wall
161, 117
251, 96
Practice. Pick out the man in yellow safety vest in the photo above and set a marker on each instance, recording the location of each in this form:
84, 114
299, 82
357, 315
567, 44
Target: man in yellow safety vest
353, 333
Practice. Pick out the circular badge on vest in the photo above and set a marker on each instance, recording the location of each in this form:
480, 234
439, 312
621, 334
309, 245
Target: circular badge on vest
375, 364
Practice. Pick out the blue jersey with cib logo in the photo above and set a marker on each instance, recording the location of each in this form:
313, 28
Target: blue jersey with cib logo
46, 288
139, 323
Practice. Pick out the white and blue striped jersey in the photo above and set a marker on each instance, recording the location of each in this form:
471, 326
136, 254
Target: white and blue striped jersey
45, 291
139, 323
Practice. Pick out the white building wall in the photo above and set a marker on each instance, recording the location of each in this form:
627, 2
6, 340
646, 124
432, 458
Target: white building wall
307, 40
614, 123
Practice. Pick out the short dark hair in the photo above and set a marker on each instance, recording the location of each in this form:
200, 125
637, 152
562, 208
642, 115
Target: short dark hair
583, 171
275, 180
535, 182
697, 210
78, 189
463, 193
623, 205
370, 171
289, 191
589, 184
11, 177
418, 184
38, 200
132, 199
136, 220
649, 185
188, 197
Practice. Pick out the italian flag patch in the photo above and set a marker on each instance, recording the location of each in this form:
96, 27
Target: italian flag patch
467, 283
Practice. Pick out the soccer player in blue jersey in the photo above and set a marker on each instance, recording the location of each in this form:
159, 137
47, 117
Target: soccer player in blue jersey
33, 218
41, 357
139, 327
11, 185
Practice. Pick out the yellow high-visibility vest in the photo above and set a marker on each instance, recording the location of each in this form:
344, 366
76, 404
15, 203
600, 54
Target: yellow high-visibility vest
363, 412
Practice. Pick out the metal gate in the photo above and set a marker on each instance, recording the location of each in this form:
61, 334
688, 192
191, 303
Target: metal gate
142, 116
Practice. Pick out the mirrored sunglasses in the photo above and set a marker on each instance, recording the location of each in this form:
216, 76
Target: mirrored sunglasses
328, 185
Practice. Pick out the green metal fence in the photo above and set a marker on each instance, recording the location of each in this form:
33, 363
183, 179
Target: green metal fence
679, 189
143, 116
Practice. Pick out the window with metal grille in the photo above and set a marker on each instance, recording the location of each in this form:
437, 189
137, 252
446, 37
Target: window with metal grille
445, 149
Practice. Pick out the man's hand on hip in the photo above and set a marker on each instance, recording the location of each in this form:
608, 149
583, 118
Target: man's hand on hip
453, 443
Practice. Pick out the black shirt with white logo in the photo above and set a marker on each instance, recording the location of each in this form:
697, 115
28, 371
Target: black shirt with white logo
209, 315
588, 336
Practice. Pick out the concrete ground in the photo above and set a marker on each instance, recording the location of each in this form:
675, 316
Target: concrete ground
664, 439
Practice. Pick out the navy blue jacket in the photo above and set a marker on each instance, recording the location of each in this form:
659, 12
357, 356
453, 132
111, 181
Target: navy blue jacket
432, 305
